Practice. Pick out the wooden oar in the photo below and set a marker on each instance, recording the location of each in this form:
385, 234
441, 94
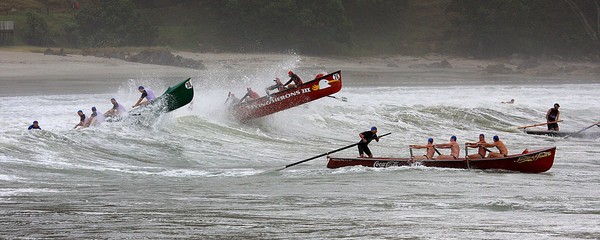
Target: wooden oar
343, 99
586, 128
327, 153
539, 124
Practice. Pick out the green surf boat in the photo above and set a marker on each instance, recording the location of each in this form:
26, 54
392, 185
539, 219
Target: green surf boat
175, 97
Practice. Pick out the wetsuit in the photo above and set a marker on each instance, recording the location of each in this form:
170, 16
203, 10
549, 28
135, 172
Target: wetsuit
363, 146
551, 118
34, 127
295, 79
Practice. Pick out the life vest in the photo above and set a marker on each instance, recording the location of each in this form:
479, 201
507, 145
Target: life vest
150, 94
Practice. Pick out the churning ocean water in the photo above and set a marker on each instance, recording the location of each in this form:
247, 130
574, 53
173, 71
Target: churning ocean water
197, 174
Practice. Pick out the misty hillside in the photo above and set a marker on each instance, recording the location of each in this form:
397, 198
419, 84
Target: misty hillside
482, 29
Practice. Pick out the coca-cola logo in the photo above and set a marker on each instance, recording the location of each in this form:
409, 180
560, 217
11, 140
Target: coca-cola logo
384, 164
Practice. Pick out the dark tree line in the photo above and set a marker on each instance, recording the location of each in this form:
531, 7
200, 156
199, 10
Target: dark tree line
489, 28
534, 27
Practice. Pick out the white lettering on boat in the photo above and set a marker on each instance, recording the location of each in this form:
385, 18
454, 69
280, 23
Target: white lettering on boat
533, 158
279, 98
384, 164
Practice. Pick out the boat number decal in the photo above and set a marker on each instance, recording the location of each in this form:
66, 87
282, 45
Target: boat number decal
188, 84
533, 158
384, 164
336, 76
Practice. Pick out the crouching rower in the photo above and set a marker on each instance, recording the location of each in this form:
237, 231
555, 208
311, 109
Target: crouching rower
365, 138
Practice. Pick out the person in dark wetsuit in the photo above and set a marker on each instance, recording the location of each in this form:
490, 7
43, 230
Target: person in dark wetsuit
366, 137
35, 125
293, 78
82, 119
553, 116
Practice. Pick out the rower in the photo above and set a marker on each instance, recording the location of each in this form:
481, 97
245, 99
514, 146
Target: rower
552, 116
503, 151
82, 119
365, 138
482, 150
293, 78
116, 110
277, 86
454, 149
250, 94
146, 93
430, 150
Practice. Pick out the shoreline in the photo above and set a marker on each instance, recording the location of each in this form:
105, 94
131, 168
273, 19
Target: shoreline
20, 71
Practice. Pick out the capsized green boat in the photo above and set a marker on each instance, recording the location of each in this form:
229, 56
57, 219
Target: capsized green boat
178, 95
175, 97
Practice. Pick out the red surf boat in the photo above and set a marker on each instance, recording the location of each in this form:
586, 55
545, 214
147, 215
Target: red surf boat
536, 161
309, 91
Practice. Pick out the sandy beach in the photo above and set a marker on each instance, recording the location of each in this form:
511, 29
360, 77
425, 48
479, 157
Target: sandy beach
23, 73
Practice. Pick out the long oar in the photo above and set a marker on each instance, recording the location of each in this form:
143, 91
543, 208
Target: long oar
586, 128
318, 156
539, 124
437, 151
228, 97
343, 99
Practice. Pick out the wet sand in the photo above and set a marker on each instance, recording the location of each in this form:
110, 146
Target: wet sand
23, 73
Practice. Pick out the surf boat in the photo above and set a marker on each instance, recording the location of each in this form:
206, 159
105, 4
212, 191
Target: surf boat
564, 134
536, 161
319, 87
173, 98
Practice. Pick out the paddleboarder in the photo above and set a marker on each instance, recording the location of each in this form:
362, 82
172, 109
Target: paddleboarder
35, 125
552, 116
293, 78
365, 138
430, 150
454, 149
481, 152
503, 151
146, 93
